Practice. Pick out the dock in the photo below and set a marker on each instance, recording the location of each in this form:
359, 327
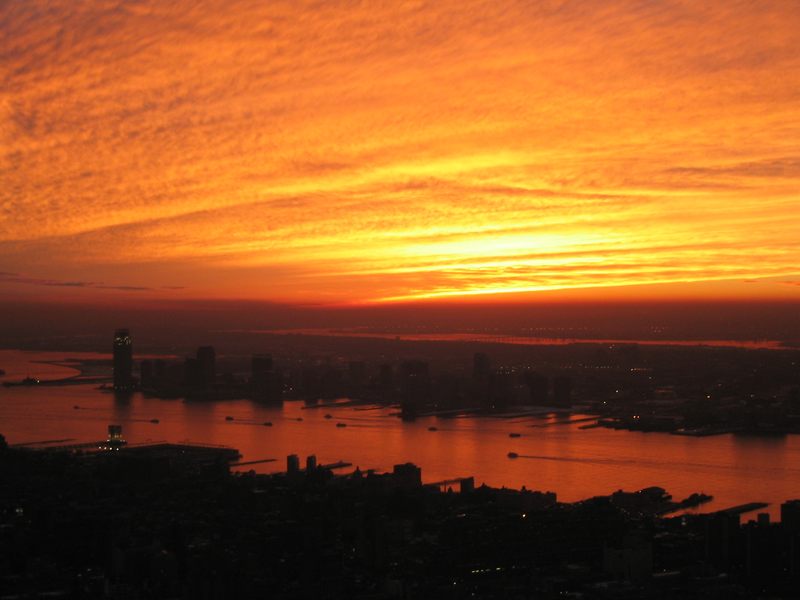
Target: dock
337, 465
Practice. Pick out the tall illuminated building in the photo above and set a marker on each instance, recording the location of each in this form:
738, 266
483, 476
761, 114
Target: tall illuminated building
123, 360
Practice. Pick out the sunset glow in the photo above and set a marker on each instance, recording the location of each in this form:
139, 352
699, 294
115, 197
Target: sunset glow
392, 151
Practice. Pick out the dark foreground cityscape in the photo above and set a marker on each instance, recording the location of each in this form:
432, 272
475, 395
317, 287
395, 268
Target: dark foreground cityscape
109, 519
172, 521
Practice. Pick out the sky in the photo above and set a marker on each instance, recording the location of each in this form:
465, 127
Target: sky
350, 152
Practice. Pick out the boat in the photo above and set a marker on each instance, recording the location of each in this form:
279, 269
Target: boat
433, 429
514, 435
156, 421
513, 455
267, 423
76, 407
299, 418
341, 424
328, 416
229, 418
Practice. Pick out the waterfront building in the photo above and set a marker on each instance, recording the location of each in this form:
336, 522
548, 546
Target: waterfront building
415, 386
123, 360
266, 383
538, 387
562, 391
146, 374
192, 373
260, 363
482, 380
207, 365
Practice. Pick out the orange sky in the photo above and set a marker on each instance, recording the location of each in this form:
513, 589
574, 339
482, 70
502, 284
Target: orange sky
347, 151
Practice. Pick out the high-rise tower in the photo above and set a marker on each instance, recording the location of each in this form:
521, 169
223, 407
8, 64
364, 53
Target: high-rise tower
123, 360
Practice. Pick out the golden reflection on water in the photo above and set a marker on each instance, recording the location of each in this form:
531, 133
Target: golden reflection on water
576, 463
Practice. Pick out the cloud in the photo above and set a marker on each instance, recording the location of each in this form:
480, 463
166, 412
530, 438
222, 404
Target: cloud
16, 278
415, 146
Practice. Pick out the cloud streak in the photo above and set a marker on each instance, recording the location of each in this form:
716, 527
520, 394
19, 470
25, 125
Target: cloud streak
16, 278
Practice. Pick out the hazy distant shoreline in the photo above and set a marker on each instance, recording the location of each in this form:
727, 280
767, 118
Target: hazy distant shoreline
471, 337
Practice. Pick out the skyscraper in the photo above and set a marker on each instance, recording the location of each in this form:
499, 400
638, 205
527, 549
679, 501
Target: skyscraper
146, 377
123, 360
207, 361
539, 388
481, 366
415, 387
261, 363
266, 383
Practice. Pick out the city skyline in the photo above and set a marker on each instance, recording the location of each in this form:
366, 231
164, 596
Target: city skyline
383, 299
352, 153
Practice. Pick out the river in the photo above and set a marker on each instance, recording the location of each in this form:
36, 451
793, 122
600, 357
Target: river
576, 463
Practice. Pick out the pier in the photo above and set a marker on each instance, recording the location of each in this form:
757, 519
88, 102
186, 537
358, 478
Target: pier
253, 462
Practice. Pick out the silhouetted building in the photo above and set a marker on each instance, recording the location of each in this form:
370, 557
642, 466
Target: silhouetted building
310, 383
538, 386
332, 382
562, 391
386, 383
311, 463
415, 386
506, 390
115, 440
207, 361
482, 380
793, 402
266, 382
407, 475
146, 374
386, 378
260, 363
721, 531
790, 516
481, 365
292, 464
631, 560
123, 360
356, 373
159, 369
192, 373
790, 521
